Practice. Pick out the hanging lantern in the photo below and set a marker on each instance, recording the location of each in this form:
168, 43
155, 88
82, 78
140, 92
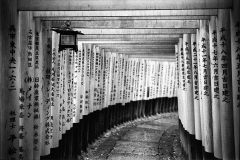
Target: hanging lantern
68, 37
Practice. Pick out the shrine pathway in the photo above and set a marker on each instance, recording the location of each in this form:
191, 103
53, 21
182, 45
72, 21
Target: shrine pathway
151, 138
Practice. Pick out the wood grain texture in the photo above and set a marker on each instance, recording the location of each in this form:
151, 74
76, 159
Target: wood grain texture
27, 42
132, 24
195, 75
217, 142
200, 85
46, 71
10, 80
235, 54
125, 13
1, 84
189, 85
225, 73
122, 5
206, 85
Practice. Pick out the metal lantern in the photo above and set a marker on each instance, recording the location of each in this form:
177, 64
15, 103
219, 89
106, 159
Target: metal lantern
68, 37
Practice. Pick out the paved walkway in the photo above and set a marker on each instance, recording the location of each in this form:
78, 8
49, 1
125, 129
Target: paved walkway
150, 138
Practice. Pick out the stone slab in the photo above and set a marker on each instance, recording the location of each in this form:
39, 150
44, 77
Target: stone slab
131, 157
142, 136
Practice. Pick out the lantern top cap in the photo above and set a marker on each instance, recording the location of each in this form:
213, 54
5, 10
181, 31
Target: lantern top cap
65, 28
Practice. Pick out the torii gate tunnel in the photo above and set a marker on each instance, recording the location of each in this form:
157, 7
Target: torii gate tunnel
136, 58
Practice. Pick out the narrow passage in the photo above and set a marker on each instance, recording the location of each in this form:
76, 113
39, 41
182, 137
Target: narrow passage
151, 138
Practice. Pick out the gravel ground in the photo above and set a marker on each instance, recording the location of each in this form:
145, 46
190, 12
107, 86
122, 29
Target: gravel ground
151, 138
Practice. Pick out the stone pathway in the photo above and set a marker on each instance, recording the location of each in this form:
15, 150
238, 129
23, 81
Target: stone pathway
150, 138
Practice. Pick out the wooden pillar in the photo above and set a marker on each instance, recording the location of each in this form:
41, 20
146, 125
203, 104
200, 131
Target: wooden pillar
141, 77
137, 89
199, 85
9, 80
108, 78
80, 91
235, 54
46, 72
161, 87
54, 96
120, 80
61, 97
188, 78
137, 81
181, 83
159, 83
122, 88
225, 83
206, 85
169, 81
87, 53
151, 86
103, 80
98, 78
95, 77
195, 82
144, 88
177, 76
116, 79
76, 84
184, 69
158, 88
217, 142
92, 106
132, 74
1, 84
165, 82
70, 92
173, 83
124, 82
27, 42
83, 82
38, 96
92, 49
67, 92
119, 76
112, 76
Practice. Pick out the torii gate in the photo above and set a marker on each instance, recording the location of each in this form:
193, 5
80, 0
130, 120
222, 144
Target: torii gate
198, 31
